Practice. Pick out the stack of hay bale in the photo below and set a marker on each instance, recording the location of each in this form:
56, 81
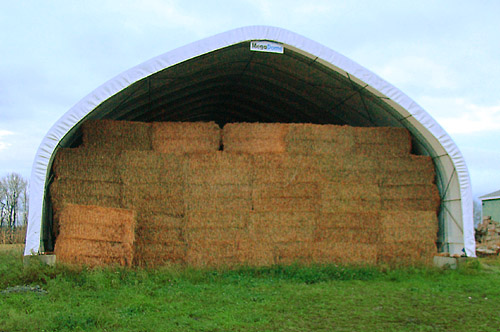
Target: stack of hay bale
86, 195
256, 194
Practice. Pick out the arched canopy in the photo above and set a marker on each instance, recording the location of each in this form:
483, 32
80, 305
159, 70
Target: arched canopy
221, 79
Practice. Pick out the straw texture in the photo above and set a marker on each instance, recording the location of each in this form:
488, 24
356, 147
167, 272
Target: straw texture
247, 194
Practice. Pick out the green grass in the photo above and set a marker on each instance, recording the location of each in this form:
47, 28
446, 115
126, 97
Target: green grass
293, 298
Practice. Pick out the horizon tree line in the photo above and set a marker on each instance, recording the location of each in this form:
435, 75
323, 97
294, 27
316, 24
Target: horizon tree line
13, 201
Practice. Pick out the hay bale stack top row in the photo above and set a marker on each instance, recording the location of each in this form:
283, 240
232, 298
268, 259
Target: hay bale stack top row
247, 194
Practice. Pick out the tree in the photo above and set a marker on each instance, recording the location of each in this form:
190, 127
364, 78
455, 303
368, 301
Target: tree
13, 201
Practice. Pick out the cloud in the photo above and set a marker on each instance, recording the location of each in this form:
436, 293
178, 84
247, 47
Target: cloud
410, 70
4, 144
460, 116
284, 11
158, 13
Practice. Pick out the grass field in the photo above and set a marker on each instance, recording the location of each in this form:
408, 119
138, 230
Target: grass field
293, 298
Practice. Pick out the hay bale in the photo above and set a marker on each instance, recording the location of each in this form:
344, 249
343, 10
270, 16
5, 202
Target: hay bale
409, 163
159, 254
404, 226
215, 248
283, 204
218, 168
293, 252
410, 197
347, 234
350, 219
103, 234
121, 220
92, 252
153, 168
283, 168
286, 190
340, 135
346, 197
186, 137
227, 198
344, 252
159, 239
254, 137
149, 167
313, 139
89, 165
281, 227
407, 253
116, 135
398, 137
214, 220
100, 193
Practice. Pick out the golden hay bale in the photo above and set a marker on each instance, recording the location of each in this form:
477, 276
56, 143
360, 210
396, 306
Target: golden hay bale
377, 150
383, 135
293, 252
266, 232
410, 197
81, 164
313, 147
148, 167
218, 168
212, 220
342, 191
347, 234
226, 235
353, 219
186, 130
284, 219
186, 137
404, 226
78, 251
254, 137
230, 190
218, 197
116, 135
214, 252
285, 204
104, 194
404, 177
401, 204
342, 135
158, 228
157, 254
260, 254
96, 231
157, 220
408, 163
286, 190
217, 204
424, 219
407, 253
344, 252
345, 197
78, 156
283, 168
104, 222
409, 191
152, 192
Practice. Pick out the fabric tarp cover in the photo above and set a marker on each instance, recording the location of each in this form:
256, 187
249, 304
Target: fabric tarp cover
220, 79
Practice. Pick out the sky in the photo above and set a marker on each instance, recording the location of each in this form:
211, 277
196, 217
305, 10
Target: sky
445, 55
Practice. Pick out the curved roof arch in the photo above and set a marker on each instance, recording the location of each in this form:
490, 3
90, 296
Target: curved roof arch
220, 79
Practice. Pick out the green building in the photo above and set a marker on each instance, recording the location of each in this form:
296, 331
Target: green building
491, 205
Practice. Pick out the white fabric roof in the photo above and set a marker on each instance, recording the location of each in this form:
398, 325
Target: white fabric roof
220, 79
